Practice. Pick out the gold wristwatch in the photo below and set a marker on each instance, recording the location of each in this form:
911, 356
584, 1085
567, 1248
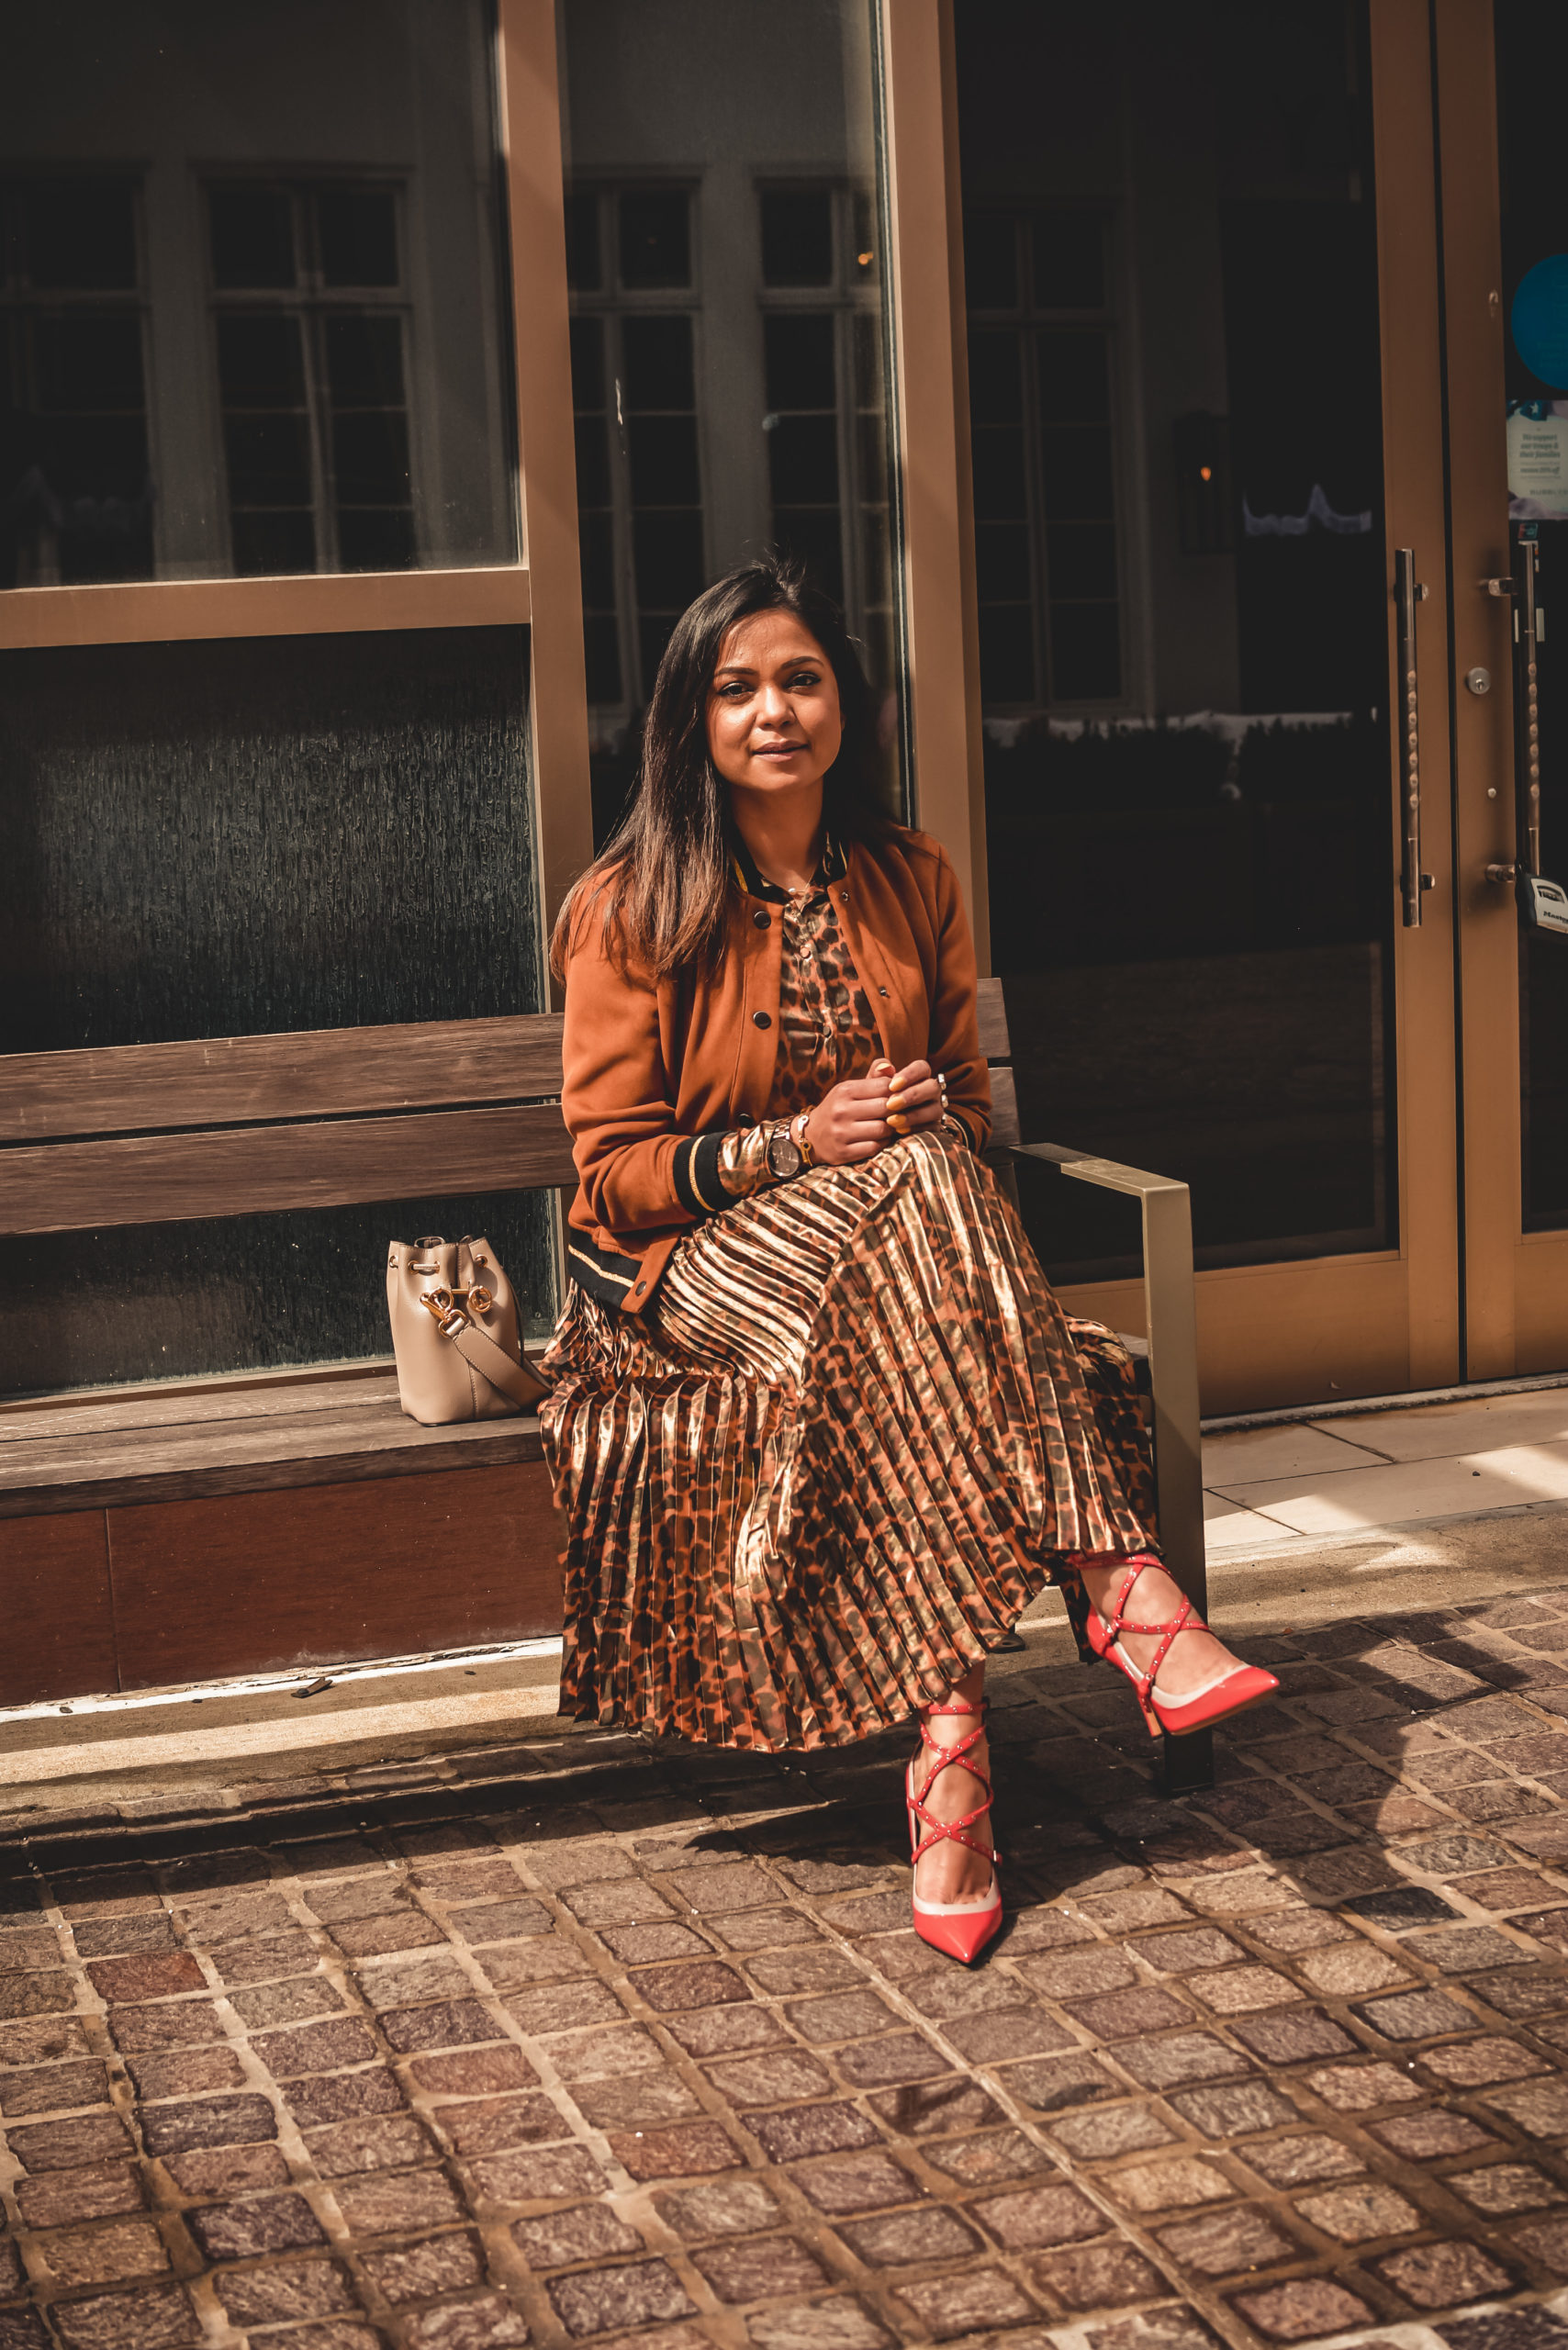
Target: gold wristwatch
785, 1156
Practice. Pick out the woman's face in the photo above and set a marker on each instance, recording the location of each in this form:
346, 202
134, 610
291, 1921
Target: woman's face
774, 722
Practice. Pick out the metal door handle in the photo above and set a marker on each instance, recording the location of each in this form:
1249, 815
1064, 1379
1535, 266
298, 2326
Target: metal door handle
1407, 594
1520, 588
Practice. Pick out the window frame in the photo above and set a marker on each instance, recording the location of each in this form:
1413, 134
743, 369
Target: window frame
918, 223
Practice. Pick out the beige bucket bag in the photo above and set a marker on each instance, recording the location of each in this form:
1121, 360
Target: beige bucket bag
454, 1334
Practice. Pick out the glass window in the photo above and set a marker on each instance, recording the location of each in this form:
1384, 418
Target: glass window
281, 343
252, 836
729, 330
1174, 392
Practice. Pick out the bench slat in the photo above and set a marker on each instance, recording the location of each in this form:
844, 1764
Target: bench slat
319, 1072
172, 1179
1003, 1109
50, 1475
994, 1042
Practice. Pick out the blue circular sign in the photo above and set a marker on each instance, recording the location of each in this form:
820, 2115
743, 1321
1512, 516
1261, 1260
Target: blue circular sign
1539, 320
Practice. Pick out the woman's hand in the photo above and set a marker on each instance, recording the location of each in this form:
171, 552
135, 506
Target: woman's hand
915, 1099
851, 1122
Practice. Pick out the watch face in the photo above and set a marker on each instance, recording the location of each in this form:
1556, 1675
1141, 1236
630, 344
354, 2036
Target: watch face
783, 1152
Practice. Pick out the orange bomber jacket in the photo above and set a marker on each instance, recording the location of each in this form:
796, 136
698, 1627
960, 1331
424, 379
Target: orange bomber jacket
657, 1071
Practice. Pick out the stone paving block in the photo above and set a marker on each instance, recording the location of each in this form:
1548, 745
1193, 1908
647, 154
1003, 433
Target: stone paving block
585, 2232
1104, 2131
1186, 1953
547, 2008
381, 2142
758, 1930
1426, 2137
947, 2307
900, 2058
851, 2015
1233, 2108
478, 2072
97, 2191
406, 1982
223, 2171
1475, 2063
387, 1930
791, 2132
1296, 2160
491, 2125
849, 2184
102, 2255
315, 2048
161, 2319
905, 2238
725, 2031
340, 2096
149, 1977
1169, 2186
1501, 2190
1123, 2015
635, 2295
1307, 2306
188, 2074
1292, 2036
1361, 2088
485, 2323
1181, 2057
1104, 2275
1359, 2214
1532, 1991
1437, 2276
1539, 2108
63, 2145
382, 2201
842, 2323
815, 1969
1075, 1974
174, 2023
285, 2290
261, 2223
634, 2101
1546, 2241
1226, 2242
528, 2176
1291, 1930
725, 2207
685, 2150
772, 2077
1039, 2218
53, 2088
445, 2023
442, 2264
262, 1958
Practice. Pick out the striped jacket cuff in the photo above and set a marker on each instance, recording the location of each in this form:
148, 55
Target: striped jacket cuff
697, 1184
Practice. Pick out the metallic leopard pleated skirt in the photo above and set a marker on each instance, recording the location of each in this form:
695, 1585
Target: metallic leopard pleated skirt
852, 1441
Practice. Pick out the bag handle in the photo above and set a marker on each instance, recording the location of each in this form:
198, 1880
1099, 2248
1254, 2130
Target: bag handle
518, 1381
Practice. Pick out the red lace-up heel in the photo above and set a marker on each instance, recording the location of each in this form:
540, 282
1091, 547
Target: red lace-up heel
959, 1929
1230, 1691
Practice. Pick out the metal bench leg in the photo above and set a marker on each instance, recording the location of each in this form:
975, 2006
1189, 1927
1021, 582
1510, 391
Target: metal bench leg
1170, 1304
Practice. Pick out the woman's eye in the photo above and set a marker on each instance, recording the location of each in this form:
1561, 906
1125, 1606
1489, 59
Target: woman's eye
806, 678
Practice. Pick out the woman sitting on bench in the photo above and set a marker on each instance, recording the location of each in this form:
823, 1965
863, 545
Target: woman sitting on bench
820, 1431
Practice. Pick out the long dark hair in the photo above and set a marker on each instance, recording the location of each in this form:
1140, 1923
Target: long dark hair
665, 876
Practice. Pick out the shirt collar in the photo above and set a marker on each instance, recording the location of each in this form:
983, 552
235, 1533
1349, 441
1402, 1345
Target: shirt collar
831, 867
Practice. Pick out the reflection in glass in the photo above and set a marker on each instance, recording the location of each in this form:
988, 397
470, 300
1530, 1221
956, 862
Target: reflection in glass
279, 345
1170, 263
728, 333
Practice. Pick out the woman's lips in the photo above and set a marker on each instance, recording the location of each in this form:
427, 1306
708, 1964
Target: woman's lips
780, 751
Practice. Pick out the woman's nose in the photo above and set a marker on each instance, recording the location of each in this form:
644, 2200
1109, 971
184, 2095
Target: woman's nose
773, 704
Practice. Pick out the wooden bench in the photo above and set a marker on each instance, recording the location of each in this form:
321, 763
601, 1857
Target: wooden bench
185, 1533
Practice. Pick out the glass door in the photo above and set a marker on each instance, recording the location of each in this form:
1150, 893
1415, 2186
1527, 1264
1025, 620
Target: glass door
1505, 207
1202, 286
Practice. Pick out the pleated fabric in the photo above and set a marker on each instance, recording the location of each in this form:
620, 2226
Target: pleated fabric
856, 1437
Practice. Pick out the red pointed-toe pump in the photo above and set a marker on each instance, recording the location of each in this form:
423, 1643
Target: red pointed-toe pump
959, 1929
1230, 1691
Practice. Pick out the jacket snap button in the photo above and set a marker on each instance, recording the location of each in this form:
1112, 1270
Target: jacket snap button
761, 918
641, 1287
761, 1020
881, 990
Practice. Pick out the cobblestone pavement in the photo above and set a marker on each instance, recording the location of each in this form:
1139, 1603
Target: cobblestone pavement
592, 2041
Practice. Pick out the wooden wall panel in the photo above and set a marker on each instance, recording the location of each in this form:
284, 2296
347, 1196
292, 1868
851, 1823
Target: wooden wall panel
264, 1582
58, 1635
